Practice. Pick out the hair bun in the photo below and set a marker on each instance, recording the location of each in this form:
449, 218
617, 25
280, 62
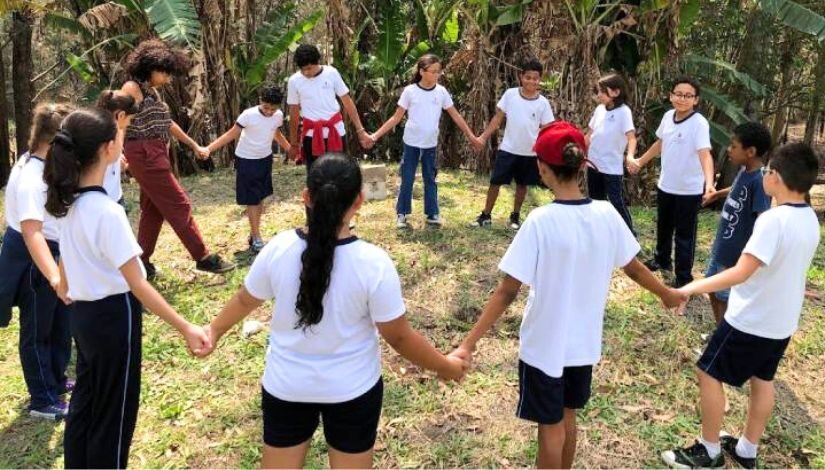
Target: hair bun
63, 138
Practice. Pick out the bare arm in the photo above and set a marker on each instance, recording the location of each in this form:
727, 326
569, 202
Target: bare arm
631, 145
416, 349
744, 269
182, 136
282, 141
654, 151
641, 275
227, 137
461, 123
390, 124
352, 112
294, 116
39, 250
504, 295
493, 125
238, 307
706, 159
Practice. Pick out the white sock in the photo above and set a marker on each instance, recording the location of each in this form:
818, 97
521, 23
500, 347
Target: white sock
714, 449
746, 448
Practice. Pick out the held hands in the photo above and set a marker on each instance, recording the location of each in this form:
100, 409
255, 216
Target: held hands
633, 166
61, 287
674, 299
459, 362
197, 340
292, 151
477, 143
366, 140
202, 152
680, 310
710, 198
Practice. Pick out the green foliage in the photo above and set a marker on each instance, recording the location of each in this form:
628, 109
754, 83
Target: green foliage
745, 79
796, 16
175, 21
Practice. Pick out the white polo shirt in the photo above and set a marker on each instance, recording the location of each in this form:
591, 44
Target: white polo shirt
566, 252
768, 304
608, 138
258, 132
525, 116
111, 181
681, 142
339, 358
424, 106
318, 96
96, 240
26, 197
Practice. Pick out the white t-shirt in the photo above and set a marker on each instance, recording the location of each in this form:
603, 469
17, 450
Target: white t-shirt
423, 113
318, 96
96, 240
26, 197
339, 358
111, 181
769, 303
566, 252
681, 142
258, 132
525, 116
608, 138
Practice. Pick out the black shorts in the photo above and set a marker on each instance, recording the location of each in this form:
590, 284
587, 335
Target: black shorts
509, 167
253, 180
733, 356
542, 398
350, 426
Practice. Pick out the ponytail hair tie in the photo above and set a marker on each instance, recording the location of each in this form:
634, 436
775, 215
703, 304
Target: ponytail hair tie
63, 138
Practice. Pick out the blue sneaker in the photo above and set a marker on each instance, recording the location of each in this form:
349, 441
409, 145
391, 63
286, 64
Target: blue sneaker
54, 412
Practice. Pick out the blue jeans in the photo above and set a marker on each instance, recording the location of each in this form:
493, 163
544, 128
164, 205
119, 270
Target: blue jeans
409, 164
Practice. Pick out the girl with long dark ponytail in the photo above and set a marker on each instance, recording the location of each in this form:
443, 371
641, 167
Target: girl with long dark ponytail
333, 295
107, 284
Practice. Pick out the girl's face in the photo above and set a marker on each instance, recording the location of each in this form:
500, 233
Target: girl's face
530, 81
112, 149
431, 73
684, 98
607, 95
160, 78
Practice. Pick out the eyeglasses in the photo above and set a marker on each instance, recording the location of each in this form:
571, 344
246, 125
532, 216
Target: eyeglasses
436, 72
766, 170
683, 96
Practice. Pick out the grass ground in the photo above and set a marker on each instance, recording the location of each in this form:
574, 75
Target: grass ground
205, 413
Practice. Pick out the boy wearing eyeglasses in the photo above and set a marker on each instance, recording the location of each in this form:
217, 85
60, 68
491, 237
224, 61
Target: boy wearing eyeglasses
683, 141
745, 200
768, 283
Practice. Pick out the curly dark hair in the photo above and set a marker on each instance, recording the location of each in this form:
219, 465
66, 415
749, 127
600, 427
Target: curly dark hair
155, 55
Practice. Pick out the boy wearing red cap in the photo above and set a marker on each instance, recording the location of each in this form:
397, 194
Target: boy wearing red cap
566, 252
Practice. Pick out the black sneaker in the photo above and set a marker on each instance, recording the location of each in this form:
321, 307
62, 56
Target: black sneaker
695, 456
214, 264
515, 220
654, 266
151, 270
677, 283
729, 445
484, 220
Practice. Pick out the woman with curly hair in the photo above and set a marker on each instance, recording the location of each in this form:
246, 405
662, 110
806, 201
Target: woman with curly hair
149, 66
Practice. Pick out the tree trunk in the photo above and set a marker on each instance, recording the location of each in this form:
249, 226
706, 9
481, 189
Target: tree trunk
5, 151
22, 75
816, 98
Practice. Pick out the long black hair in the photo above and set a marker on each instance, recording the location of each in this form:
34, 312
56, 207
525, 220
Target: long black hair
334, 182
616, 82
75, 148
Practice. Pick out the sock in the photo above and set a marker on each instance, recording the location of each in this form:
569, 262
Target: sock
714, 449
746, 448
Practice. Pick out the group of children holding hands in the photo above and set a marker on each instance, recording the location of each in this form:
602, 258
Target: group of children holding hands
70, 261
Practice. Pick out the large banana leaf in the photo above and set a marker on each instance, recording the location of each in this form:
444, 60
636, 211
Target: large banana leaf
68, 24
391, 31
796, 16
724, 104
175, 21
274, 49
745, 79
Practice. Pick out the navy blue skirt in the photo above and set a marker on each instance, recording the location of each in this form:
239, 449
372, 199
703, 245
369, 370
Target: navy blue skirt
253, 180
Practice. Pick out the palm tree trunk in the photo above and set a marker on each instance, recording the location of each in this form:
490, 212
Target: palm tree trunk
22, 75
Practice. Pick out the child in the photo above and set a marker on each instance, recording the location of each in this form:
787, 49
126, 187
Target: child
746, 199
610, 133
116, 102
768, 284
255, 129
312, 93
331, 292
29, 275
527, 112
687, 174
423, 100
566, 252
106, 281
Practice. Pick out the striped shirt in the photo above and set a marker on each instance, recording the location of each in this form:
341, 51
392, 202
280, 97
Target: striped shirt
153, 118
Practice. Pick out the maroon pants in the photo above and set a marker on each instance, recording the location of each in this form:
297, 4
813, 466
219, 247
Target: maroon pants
161, 198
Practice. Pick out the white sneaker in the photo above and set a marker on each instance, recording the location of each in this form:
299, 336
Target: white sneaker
401, 221
435, 221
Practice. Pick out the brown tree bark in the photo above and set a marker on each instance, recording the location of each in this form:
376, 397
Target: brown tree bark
22, 69
5, 150
816, 99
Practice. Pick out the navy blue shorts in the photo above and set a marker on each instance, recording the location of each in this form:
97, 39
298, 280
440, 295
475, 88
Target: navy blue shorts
509, 167
733, 356
350, 426
253, 180
542, 399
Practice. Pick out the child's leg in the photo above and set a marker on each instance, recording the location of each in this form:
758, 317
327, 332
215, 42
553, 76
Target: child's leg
285, 457
551, 445
338, 459
760, 407
428, 170
570, 438
492, 196
719, 308
253, 213
518, 199
409, 163
712, 400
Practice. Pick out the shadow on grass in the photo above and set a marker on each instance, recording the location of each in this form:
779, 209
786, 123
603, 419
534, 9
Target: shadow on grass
24, 442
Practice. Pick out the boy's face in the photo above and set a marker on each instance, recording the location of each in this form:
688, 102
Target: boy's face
738, 154
267, 109
310, 70
684, 98
530, 81
770, 180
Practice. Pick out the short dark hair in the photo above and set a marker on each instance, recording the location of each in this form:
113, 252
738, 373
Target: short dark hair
615, 82
271, 94
531, 65
753, 134
155, 55
573, 157
797, 164
688, 81
307, 54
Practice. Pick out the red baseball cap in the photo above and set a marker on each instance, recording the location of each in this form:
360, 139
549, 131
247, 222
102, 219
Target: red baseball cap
551, 141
